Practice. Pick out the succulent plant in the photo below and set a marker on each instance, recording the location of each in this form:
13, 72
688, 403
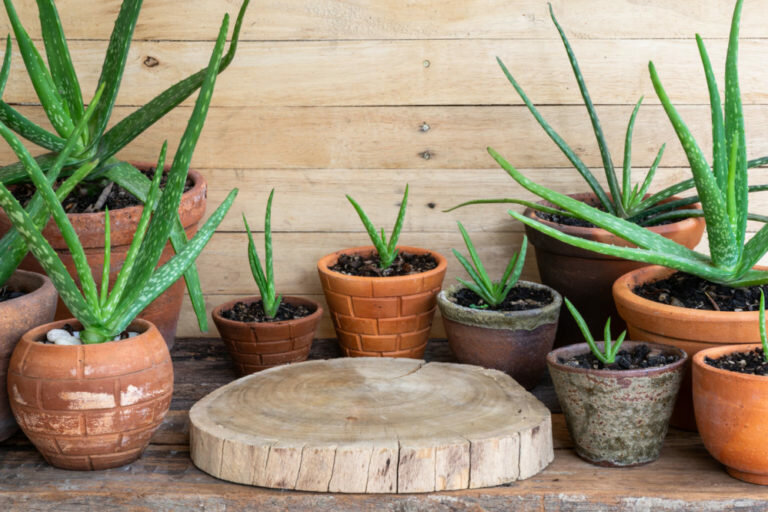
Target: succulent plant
387, 250
610, 348
265, 279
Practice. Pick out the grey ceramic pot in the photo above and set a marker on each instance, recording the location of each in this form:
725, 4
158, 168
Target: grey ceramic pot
514, 342
617, 417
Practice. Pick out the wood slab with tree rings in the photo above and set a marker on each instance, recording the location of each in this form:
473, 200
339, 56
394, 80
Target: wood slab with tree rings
372, 425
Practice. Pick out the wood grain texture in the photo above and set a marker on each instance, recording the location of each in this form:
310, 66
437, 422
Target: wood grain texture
372, 425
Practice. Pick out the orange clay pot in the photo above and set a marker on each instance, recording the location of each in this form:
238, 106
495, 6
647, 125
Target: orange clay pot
91, 406
256, 346
689, 329
586, 277
163, 311
732, 415
17, 316
382, 316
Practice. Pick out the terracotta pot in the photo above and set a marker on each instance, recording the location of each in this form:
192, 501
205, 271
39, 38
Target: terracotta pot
163, 311
732, 415
617, 417
17, 316
91, 406
586, 277
689, 329
382, 316
256, 346
514, 342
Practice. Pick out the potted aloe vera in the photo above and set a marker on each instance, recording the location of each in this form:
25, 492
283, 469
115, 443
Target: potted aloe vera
382, 298
266, 331
120, 186
90, 391
617, 401
587, 276
689, 300
730, 393
507, 325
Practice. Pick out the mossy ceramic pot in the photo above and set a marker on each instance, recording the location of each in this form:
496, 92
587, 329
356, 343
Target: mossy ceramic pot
514, 342
617, 417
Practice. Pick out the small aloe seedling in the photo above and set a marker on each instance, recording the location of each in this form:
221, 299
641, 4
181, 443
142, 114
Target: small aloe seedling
493, 293
763, 337
611, 348
265, 278
387, 249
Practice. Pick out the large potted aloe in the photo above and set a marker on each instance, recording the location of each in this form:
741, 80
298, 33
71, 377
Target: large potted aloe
92, 398
120, 186
724, 285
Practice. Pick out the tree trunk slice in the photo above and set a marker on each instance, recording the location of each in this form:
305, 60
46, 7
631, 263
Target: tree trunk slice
372, 425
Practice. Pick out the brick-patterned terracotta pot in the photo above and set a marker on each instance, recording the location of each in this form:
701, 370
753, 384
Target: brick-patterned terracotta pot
17, 316
586, 277
382, 316
256, 346
163, 311
514, 342
732, 415
91, 406
689, 329
616, 418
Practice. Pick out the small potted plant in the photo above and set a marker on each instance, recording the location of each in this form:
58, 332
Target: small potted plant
90, 391
507, 325
266, 331
115, 184
617, 402
382, 298
730, 393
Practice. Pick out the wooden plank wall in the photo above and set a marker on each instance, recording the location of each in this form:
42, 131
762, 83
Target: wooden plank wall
328, 97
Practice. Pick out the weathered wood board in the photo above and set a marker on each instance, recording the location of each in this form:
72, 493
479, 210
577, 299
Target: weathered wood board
372, 425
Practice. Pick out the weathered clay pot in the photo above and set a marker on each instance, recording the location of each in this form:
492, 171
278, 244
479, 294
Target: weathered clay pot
514, 342
732, 415
17, 316
586, 277
256, 346
163, 311
91, 406
689, 329
382, 316
616, 418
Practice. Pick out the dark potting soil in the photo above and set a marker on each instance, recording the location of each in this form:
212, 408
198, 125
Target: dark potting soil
368, 265
254, 312
638, 357
752, 362
520, 298
687, 291
575, 222
95, 196
8, 294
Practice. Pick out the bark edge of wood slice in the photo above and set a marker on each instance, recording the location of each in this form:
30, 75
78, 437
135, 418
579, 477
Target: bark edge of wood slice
371, 425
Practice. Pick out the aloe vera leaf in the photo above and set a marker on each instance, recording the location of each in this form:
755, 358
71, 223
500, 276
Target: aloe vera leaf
483, 274
757, 162
172, 270
528, 204
754, 249
392, 247
605, 154
481, 292
29, 130
46, 91
584, 330
719, 155
255, 263
107, 256
6, 69
270, 276
130, 127
626, 174
381, 248
515, 266
474, 274
59, 60
640, 204
722, 240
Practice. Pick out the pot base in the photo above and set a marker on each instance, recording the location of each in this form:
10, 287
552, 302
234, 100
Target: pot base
612, 464
752, 478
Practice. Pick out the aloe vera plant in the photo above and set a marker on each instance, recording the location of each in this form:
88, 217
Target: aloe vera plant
265, 278
105, 313
60, 95
387, 250
493, 293
610, 348
722, 189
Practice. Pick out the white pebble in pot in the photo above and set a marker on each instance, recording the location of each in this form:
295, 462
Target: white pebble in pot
62, 337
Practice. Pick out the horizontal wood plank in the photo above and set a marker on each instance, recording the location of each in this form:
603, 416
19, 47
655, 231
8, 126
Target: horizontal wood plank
372, 19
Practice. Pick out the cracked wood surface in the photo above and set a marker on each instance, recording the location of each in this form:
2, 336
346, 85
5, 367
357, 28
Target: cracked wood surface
372, 425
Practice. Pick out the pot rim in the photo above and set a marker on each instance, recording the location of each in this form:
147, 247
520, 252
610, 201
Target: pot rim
324, 263
557, 300
140, 325
622, 290
585, 232
698, 361
580, 348
217, 317
44, 286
